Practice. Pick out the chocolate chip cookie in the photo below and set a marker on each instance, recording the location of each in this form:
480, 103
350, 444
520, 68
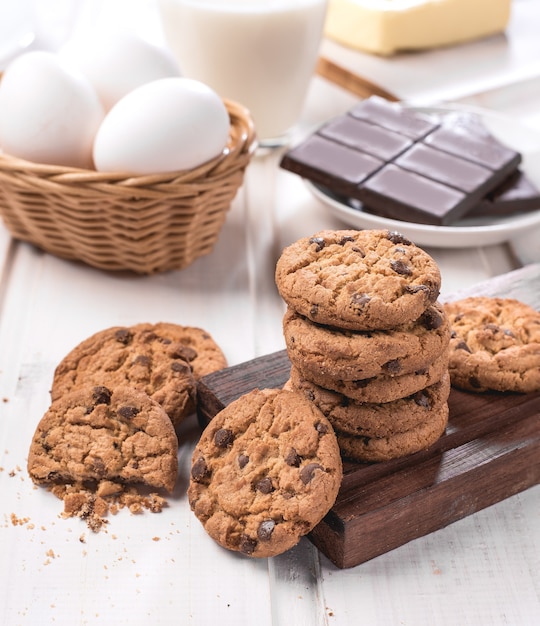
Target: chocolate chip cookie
384, 388
266, 470
495, 345
378, 449
164, 360
106, 438
359, 280
322, 353
375, 419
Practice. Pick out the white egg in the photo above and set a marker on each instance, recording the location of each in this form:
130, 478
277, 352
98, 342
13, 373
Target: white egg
48, 113
166, 125
119, 62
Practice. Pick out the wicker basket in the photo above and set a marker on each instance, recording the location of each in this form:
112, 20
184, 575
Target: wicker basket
144, 224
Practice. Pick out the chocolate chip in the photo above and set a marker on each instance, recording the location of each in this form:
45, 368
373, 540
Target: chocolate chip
314, 311
401, 268
359, 300
247, 545
123, 335
293, 458
392, 367
319, 241
421, 399
180, 351
143, 360
492, 327
434, 291
265, 485
474, 382
265, 530
345, 239
308, 471
128, 412
508, 332
322, 429
149, 335
359, 251
180, 366
412, 289
101, 395
98, 465
199, 470
362, 384
243, 460
453, 334
396, 237
223, 438
462, 346
432, 319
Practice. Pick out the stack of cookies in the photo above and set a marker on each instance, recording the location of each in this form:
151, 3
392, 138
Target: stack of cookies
367, 340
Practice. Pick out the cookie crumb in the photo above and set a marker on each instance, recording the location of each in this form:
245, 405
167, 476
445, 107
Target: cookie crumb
18, 521
85, 503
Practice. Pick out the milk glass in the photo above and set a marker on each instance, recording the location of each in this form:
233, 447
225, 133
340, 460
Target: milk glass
259, 53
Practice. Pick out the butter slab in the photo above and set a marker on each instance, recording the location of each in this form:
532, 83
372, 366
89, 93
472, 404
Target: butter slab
386, 27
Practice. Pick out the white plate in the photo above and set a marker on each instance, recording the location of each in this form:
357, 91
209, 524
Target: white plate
466, 233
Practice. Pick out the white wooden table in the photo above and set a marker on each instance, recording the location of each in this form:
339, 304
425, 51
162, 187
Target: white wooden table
162, 568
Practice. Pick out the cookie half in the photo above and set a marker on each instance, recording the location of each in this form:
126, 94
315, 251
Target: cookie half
359, 280
163, 360
495, 345
266, 470
97, 436
322, 353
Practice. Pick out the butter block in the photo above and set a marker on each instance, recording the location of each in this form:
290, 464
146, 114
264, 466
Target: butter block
385, 27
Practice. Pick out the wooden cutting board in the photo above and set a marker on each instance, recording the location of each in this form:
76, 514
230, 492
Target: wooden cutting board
490, 451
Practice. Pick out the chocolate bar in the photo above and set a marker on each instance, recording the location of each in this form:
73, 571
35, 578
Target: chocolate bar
517, 194
404, 164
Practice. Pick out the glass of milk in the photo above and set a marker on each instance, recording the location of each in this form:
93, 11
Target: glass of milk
259, 53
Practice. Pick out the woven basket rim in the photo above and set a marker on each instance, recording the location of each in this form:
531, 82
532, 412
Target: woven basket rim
113, 221
242, 141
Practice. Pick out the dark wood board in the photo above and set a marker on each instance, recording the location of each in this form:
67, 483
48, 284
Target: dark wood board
490, 451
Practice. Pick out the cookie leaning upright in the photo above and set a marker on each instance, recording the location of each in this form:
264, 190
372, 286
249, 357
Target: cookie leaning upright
495, 344
359, 280
265, 471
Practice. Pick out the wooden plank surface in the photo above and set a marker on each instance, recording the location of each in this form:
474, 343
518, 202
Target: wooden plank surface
490, 451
